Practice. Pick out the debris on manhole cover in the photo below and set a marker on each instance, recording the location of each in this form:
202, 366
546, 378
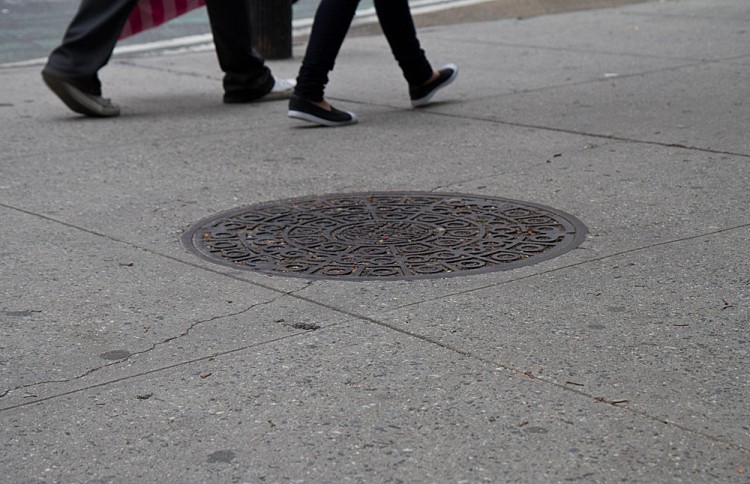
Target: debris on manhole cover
385, 236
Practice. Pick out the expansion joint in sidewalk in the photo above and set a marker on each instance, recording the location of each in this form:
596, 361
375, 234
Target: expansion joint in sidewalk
608, 137
577, 264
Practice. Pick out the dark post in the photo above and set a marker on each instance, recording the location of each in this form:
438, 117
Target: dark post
272, 27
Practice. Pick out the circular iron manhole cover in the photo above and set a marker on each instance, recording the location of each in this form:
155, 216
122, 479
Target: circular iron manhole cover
390, 235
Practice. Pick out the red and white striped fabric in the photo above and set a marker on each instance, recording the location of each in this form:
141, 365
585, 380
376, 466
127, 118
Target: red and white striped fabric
150, 13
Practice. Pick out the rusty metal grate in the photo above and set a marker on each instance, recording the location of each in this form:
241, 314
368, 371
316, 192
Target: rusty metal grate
385, 236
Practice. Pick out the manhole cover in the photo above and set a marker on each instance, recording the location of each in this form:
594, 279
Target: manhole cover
366, 236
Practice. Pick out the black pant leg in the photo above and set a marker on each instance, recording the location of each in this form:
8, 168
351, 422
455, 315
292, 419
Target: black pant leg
398, 26
246, 76
332, 21
89, 41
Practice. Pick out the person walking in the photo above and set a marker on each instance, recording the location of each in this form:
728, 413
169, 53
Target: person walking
332, 21
71, 71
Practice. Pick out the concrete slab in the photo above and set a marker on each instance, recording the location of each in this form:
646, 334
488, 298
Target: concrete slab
375, 404
694, 9
675, 30
85, 303
691, 107
660, 327
487, 69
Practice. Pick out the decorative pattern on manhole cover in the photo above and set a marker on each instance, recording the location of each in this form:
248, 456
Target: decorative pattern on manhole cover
391, 235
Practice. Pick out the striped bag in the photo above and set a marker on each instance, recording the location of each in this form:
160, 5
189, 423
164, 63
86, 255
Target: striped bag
150, 13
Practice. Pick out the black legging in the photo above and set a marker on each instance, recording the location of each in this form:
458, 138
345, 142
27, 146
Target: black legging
332, 21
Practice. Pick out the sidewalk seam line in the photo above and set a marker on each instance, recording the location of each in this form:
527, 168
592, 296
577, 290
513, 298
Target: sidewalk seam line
582, 263
595, 135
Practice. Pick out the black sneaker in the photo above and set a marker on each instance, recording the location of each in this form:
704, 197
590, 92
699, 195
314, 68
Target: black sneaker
421, 95
301, 108
80, 101
282, 89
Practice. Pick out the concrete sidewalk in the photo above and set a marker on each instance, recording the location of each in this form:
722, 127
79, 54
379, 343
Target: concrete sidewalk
125, 358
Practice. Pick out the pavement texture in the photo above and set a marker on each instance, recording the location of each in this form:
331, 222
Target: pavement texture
125, 358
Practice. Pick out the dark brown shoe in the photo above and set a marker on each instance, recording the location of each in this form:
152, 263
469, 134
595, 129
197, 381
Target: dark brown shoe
80, 101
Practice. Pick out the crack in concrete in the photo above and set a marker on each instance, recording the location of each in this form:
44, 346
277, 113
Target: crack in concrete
164, 368
155, 345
